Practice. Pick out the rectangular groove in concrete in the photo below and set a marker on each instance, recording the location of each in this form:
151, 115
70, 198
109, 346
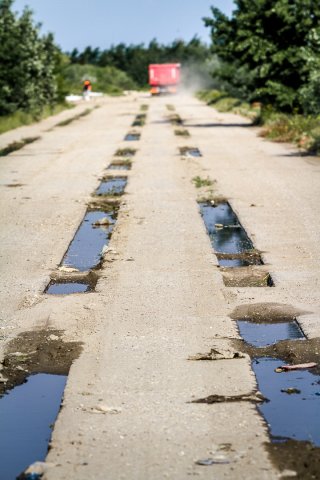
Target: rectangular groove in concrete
112, 186
26, 415
132, 137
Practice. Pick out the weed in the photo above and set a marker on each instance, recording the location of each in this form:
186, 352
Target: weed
72, 119
14, 146
125, 152
139, 120
182, 133
202, 182
176, 120
170, 108
144, 107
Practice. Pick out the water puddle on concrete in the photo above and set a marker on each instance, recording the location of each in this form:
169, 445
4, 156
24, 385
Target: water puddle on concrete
85, 250
67, 288
132, 137
190, 152
262, 335
125, 152
293, 409
286, 365
241, 265
226, 233
112, 186
26, 415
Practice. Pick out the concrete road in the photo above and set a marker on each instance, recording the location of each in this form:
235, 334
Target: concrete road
127, 411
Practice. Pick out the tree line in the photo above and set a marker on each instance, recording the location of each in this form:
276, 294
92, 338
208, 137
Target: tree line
267, 51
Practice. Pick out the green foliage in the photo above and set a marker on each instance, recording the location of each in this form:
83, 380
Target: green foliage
269, 51
134, 59
28, 62
104, 79
202, 182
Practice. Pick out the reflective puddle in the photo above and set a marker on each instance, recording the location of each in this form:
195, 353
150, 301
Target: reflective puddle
67, 288
190, 152
132, 137
112, 186
85, 250
293, 410
262, 335
26, 415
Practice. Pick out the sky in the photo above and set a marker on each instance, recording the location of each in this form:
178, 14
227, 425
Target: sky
101, 23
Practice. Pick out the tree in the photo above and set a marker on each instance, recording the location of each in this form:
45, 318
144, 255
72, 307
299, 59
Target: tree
262, 48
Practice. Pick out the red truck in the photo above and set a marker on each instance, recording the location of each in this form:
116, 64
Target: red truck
164, 78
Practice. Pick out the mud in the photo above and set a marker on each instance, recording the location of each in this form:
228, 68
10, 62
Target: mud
266, 312
217, 355
39, 351
256, 397
290, 351
64, 123
125, 152
120, 165
239, 259
182, 133
175, 120
300, 457
251, 276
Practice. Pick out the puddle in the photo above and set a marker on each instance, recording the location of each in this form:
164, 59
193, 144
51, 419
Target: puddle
85, 250
289, 416
35, 366
26, 415
271, 333
226, 233
262, 335
112, 186
190, 152
132, 137
67, 288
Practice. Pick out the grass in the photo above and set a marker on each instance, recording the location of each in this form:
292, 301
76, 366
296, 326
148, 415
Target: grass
144, 107
125, 152
14, 146
182, 133
202, 182
304, 131
139, 120
72, 119
170, 108
176, 120
20, 118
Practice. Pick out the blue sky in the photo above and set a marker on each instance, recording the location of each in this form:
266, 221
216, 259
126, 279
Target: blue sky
100, 23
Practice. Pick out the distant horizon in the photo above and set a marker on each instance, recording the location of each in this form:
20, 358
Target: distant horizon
109, 22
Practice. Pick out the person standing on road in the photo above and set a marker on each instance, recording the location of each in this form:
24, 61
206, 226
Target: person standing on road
87, 87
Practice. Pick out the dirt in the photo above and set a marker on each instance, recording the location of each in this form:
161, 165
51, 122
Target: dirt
301, 458
42, 351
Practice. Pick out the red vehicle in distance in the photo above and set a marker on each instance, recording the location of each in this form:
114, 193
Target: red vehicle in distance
164, 78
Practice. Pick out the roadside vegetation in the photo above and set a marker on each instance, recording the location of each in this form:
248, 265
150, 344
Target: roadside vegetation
266, 65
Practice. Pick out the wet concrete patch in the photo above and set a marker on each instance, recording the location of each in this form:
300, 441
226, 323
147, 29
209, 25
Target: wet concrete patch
34, 373
190, 152
132, 137
112, 186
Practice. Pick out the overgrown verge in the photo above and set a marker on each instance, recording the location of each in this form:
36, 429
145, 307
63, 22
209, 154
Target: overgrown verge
20, 118
300, 129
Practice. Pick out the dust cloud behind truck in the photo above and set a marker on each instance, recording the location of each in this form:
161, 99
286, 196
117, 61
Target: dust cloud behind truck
164, 78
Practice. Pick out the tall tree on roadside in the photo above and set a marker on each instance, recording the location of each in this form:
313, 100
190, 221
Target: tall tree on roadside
263, 48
